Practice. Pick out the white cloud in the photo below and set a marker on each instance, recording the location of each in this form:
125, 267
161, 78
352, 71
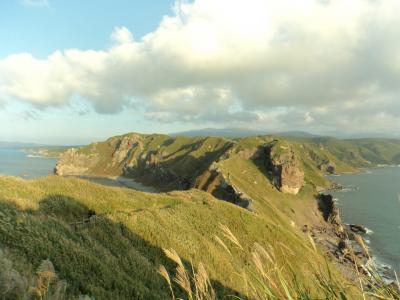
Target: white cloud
122, 35
249, 61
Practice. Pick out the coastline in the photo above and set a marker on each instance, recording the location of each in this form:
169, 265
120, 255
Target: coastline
375, 263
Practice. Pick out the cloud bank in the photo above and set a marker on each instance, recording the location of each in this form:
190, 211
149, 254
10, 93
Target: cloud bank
283, 64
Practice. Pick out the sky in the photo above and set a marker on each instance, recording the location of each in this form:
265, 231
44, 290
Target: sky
72, 72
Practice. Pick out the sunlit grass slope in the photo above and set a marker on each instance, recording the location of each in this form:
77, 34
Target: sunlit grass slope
117, 256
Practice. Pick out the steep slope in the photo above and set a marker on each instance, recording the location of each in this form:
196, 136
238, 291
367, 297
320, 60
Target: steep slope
160, 159
116, 255
288, 165
177, 163
385, 151
362, 152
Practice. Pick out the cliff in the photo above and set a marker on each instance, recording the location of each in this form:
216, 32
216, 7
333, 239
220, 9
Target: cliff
284, 167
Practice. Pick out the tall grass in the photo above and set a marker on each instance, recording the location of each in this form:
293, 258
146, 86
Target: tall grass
43, 285
13, 285
118, 258
266, 279
196, 284
47, 286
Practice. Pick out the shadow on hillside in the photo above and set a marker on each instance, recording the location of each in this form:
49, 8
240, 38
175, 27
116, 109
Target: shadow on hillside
102, 258
262, 160
172, 172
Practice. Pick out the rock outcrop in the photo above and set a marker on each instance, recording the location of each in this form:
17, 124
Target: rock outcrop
328, 167
123, 147
215, 182
330, 213
284, 167
357, 228
74, 163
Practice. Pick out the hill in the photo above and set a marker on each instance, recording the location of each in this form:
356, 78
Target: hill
184, 162
258, 243
117, 255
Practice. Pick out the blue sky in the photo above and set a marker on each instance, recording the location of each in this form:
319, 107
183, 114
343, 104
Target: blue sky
72, 72
47, 26
44, 27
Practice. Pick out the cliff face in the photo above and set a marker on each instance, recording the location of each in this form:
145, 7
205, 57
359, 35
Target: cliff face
173, 163
216, 182
284, 167
123, 149
74, 163
330, 212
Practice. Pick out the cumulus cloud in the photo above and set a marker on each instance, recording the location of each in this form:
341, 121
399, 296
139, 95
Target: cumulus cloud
306, 63
122, 35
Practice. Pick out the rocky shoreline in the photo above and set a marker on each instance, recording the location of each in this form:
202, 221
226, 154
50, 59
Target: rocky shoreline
385, 271
346, 243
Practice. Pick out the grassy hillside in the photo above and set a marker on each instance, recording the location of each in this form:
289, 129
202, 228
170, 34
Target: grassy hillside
361, 152
187, 158
383, 151
117, 256
262, 252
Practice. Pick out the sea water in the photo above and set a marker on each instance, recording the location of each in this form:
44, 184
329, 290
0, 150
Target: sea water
16, 162
374, 203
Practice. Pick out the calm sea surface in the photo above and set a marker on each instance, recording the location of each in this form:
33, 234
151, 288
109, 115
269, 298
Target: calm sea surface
15, 162
375, 203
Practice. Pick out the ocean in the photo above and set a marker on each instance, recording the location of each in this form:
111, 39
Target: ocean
373, 200
16, 162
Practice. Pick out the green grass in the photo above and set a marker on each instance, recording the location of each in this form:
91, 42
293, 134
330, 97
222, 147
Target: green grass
118, 256
190, 157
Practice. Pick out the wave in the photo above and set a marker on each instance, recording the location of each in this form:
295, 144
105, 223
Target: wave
369, 231
34, 156
385, 270
349, 189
